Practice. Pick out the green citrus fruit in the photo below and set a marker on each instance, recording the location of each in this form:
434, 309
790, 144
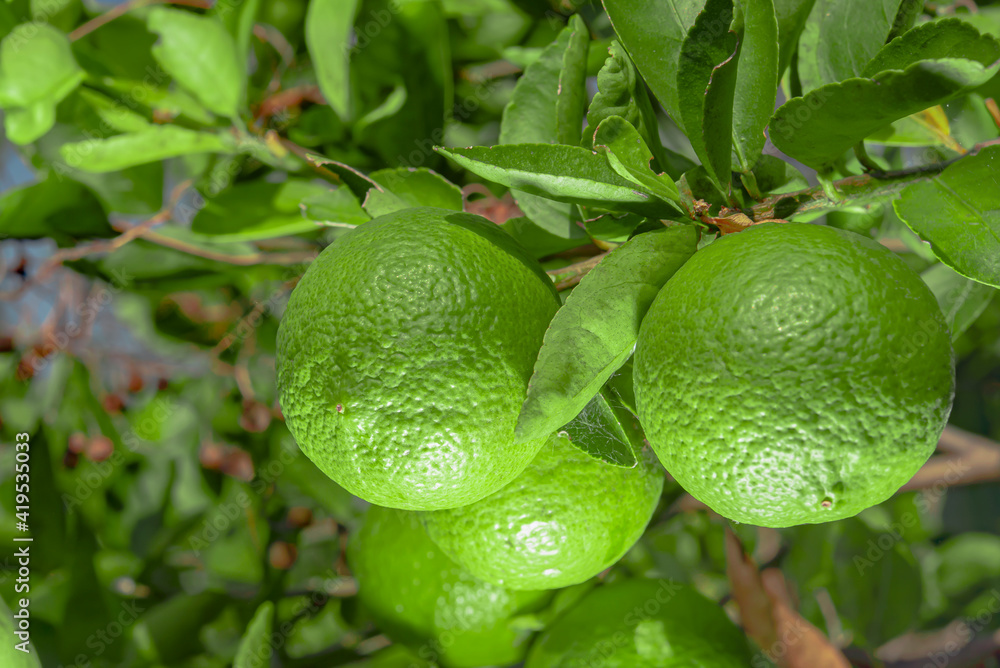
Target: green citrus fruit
642, 624
565, 519
404, 357
793, 374
419, 597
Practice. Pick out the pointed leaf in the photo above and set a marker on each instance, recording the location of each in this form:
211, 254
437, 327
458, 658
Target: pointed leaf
840, 38
756, 82
406, 187
328, 32
154, 144
200, 55
958, 213
256, 641
337, 207
945, 38
706, 85
563, 173
629, 156
598, 431
818, 128
256, 210
593, 334
547, 106
961, 300
653, 32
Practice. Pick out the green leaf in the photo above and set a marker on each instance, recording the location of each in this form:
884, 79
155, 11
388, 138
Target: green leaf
961, 300
259, 210
756, 82
653, 32
24, 125
958, 213
37, 71
818, 128
418, 187
613, 228
622, 93
594, 332
629, 156
36, 64
542, 110
329, 24
200, 55
154, 144
335, 207
168, 102
256, 641
792, 16
945, 38
599, 432
563, 173
113, 113
706, 86
841, 37
571, 95
538, 241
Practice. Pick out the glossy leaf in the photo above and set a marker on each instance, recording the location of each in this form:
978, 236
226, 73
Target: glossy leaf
563, 173
37, 71
255, 210
629, 156
756, 82
336, 207
706, 86
818, 128
961, 300
958, 213
328, 33
542, 111
538, 241
653, 32
256, 640
136, 148
593, 334
404, 187
199, 53
840, 38
946, 38
603, 433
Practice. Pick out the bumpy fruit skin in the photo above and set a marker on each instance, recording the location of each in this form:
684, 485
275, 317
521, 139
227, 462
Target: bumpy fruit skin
404, 357
642, 624
793, 374
419, 597
564, 520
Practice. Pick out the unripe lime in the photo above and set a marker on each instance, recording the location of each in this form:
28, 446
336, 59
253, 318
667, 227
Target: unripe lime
793, 373
565, 519
404, 357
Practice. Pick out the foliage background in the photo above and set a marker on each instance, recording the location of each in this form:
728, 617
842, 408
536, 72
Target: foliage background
155, 214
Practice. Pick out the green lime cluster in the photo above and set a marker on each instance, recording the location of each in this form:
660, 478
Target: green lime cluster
793, 373
403, 361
